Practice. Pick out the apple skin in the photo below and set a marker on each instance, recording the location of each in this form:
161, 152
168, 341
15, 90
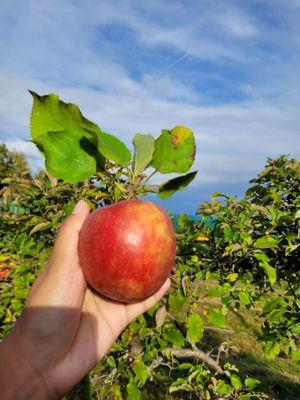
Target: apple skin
127, 250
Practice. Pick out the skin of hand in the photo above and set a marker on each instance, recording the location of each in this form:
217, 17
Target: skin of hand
65, 328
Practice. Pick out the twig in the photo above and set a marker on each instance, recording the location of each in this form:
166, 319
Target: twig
225, 330
195, 353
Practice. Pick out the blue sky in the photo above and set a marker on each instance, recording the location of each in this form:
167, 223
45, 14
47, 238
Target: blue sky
227, 69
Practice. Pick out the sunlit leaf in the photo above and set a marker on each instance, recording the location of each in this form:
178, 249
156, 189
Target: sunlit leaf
66, 157
195, 328
174, 150
265, 242
141, 371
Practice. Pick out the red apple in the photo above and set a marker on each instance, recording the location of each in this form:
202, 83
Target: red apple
127, 250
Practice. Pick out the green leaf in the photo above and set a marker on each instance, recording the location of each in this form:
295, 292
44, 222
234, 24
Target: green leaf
223, 388
262, 257
296, 328
272, 349
16, 305
66, 157
275, 303
132, 390
244, 298
50, 114
251, 383
113, 149
143, 152
174, 336
270, 272
296, 355
265, 242
140, 371
195, 327
179, 384
111, 361
236, 382
179, 183
232, 277
217, 318
178, 306
174, 150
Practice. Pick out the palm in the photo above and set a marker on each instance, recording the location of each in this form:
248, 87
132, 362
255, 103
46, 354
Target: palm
95, 328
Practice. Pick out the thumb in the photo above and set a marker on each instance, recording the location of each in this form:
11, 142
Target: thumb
66, 242
62, 282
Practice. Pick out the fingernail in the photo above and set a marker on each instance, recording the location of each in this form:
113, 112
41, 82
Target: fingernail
79, 207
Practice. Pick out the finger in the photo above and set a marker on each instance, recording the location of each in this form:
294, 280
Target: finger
136, 309
62, 283
66, 242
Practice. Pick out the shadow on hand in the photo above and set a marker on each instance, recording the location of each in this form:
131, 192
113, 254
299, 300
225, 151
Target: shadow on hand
60, 344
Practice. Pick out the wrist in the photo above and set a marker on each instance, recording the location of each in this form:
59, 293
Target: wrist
18, 379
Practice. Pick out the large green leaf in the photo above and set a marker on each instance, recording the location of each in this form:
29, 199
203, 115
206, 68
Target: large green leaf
50, 114
113, 149
195, 328
143, 152
174, 150
168, 188
68, 157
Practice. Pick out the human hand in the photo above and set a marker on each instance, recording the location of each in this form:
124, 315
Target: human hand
65, 327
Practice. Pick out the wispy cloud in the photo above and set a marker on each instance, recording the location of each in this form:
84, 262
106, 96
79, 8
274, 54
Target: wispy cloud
228, 69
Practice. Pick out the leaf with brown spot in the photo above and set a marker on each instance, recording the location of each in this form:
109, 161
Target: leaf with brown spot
174, 150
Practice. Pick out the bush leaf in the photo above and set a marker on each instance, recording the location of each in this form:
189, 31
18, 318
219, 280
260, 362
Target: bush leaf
195, 328
141, 371
217, 318
244, 298
178, 306
265, 242
251, 383
132, 390
175, 337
